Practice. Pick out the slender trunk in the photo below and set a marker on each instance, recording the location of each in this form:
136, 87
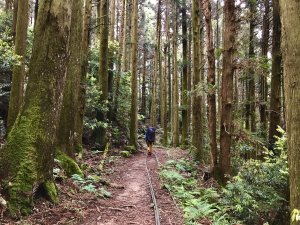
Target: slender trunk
18, 76
197, 136
166, 68
100, 133
175, 95
211, 81
251, 99
275, 104
263, 79
15, 19
184, 138
134, 91
82, 90
226, 128
124, 44
143, 108
36, 10
122, 39
111, 61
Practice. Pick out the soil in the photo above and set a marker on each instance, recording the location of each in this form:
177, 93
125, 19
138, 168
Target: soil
130, 202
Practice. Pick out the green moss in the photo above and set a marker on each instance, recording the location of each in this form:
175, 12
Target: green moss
125, 154
78, 148
131, 149
19, 162
51, 191
68, 164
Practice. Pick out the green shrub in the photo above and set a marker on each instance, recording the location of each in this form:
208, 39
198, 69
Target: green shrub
258, 192
180, 178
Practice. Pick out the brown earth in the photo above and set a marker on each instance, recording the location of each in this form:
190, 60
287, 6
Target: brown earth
130, 202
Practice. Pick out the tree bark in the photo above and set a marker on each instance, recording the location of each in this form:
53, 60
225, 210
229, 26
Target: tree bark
197, 136
226, 128
263, 79
175, 94
26, 161
275, 95
134, 88
290, 20
66, 134
211, 81
184, 137
100, 133
18, 76
82, 89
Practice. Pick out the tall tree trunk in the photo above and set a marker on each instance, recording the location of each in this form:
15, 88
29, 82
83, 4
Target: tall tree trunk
111, 61
166, 69
211, 81
15, 18
226, 128
143, 106
275, 104
18, 76
263, 79
184, 137
153, 93
66, 130
175, 95
124, 41
120, 65
197, 136
82, 90
134, 88
26, 161
157, 66
251, 95
36, 10
100, 134
290, 20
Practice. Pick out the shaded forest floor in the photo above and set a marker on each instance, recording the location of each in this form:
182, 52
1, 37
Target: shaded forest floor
125, 187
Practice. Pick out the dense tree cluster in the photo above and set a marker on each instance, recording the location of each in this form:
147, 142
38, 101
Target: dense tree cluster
213, 76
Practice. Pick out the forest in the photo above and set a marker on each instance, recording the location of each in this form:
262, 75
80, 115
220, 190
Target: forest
82, 81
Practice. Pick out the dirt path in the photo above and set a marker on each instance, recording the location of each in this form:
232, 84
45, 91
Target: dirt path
131, 201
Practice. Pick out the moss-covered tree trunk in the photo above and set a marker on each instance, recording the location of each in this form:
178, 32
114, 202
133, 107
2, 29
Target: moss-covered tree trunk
26, 161
18, 76
290, 20
82, 89
134, 87
197, 136
226, 128
211, 81
276, 81
66, 132
100, 132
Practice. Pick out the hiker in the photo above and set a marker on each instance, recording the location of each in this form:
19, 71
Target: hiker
150, 138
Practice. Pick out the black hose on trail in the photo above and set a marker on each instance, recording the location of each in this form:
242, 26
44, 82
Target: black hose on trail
152, 192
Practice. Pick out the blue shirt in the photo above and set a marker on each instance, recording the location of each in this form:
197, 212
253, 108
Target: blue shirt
150, 134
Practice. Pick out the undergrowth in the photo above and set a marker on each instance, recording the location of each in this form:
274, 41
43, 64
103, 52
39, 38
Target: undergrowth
180, 178
256, 195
